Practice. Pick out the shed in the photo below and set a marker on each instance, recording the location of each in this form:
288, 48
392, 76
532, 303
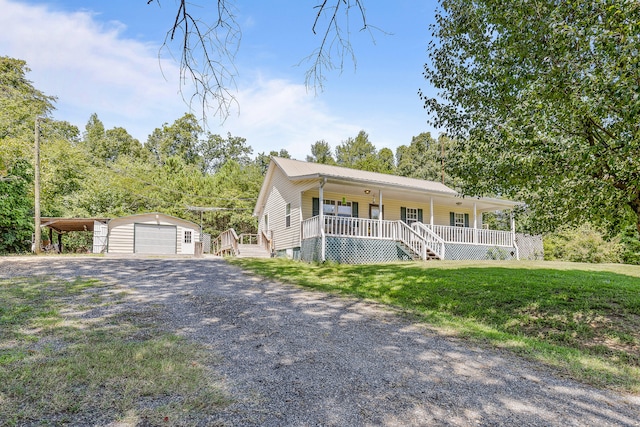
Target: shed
152, 233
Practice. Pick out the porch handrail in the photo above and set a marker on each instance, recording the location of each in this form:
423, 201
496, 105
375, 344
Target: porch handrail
411, 239
266, 240
226, 243
431, 239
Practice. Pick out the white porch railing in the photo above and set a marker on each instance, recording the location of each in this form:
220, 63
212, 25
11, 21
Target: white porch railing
373, 228
358, 227
433, 241
472, 235
422, 242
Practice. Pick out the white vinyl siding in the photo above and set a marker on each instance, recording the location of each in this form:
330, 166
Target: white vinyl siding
283, 192
391, 206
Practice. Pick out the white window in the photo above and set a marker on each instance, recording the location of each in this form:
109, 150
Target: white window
459, 219
344, 209
187, 236
412, 215
287, 215
329, 207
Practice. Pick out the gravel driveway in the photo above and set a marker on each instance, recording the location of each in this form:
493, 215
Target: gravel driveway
294, 357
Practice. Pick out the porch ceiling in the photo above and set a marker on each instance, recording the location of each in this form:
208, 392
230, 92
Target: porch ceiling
452, 200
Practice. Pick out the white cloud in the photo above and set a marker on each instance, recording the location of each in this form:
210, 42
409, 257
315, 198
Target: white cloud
92, 67
278, 114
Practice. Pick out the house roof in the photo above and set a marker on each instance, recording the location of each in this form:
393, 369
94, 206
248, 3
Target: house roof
296, 170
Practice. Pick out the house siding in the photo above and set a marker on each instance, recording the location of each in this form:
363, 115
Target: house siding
391, 207
121, 235
282, 192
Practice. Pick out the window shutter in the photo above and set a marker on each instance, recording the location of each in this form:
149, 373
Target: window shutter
452, 219
466, 220
354, 209
420, 215
315, 203
403, 214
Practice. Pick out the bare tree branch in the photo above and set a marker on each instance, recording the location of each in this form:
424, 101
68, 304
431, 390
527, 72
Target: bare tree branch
207, 53
208, 48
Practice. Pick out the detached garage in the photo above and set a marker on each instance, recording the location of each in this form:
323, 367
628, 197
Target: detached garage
152, 234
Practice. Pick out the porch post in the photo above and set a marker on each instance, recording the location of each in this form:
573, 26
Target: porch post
380, 216
513, 234
475, 223
323, 241
431, 210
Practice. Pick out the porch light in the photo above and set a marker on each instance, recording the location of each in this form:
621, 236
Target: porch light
367, 191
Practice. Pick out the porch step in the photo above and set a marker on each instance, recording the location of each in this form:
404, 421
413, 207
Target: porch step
414, 256
252, 251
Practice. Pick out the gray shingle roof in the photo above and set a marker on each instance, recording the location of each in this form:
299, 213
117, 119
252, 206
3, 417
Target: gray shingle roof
298, 170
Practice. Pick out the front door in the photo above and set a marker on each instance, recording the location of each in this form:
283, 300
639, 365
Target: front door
188, 244
374, 211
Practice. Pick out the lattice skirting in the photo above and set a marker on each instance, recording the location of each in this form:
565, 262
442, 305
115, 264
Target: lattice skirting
529, 247
310, 250
459, 251
206, 243
346, 250
366, 251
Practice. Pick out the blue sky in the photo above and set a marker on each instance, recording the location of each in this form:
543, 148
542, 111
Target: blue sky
101, 56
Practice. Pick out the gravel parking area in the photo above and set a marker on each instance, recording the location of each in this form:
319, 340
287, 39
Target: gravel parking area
294, 357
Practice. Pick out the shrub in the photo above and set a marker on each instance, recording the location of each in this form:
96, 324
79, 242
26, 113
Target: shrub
630, 242
582, 244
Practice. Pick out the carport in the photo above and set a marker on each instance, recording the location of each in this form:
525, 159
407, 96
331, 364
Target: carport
98, 226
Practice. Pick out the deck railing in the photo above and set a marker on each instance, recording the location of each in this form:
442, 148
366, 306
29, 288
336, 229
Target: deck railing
358, 227
473, 235
373, 228
226, 243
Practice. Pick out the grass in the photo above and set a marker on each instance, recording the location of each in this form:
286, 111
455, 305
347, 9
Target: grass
581, 319
57, 367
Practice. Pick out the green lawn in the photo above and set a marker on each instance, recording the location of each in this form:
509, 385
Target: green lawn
59, 366
582, 319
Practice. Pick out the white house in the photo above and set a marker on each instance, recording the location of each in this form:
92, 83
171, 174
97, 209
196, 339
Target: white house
318, 212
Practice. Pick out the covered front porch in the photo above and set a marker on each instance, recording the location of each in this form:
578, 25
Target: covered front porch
360, 222
417, 241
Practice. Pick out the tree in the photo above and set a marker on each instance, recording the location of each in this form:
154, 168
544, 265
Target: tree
542, 98
16, 208
357, 153
181, 139
208, 46
20, 104
123, 143
386, 161
423, 159
218, 150
321, 153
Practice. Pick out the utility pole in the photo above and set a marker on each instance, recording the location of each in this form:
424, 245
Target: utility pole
37, 239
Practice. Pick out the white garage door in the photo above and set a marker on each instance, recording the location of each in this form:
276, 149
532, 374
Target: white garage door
155, 239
